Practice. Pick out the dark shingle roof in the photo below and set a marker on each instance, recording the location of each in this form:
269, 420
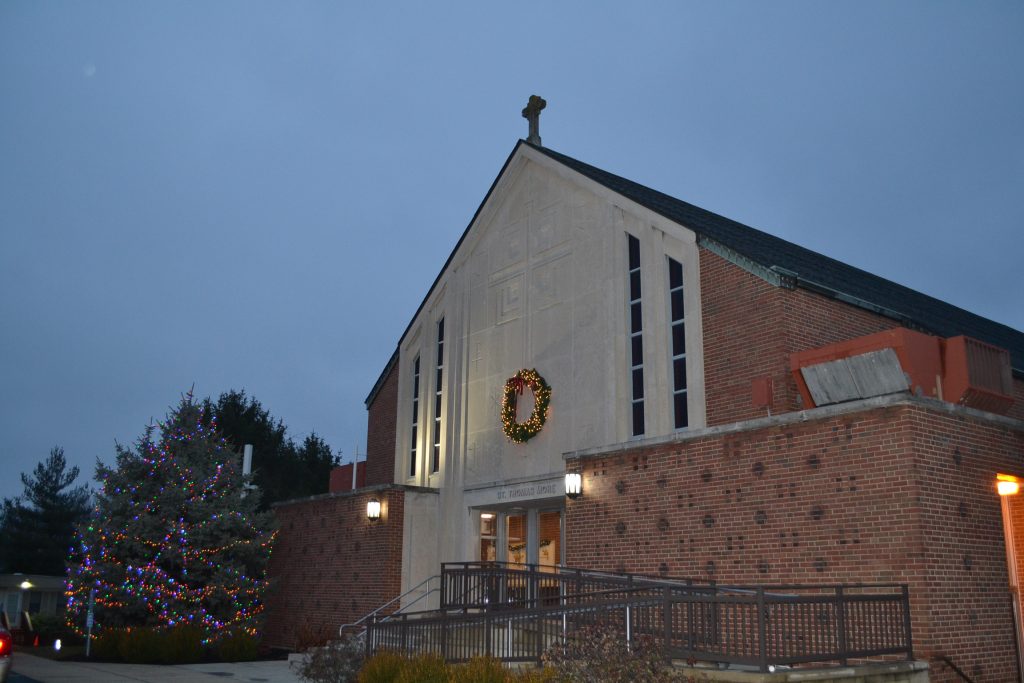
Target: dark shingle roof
813, 270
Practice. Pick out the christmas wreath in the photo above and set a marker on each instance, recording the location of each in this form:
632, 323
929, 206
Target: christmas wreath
521, 432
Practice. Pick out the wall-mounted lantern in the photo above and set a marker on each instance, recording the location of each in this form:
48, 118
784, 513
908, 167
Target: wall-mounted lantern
373, 510
573, 484
1007, 485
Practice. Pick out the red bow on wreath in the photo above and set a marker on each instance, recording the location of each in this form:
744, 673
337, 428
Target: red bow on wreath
518, 384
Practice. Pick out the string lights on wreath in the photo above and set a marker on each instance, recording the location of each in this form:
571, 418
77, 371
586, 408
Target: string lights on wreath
521, 432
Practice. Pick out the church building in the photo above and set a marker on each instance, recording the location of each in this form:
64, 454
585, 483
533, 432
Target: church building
606, 377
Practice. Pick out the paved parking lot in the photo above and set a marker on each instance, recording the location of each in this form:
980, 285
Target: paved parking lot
30, 669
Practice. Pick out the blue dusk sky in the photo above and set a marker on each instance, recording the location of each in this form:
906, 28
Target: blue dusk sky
257, 195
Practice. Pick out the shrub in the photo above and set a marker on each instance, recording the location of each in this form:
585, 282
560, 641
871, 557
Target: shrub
239, 646
545, 674
336, 662
481, 670
140, 646
49, 628
383, 667
180, 645
106, 645
426, 668
601, 654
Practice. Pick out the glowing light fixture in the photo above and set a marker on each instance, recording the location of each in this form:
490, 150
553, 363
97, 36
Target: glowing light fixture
373, 510
25, 585
573, 484
56, 645
486, 515
1007, 485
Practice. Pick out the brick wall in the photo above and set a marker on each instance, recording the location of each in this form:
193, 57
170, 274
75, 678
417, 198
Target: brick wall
380, 432
341, 478
751, 327
1017, 409
331, 565
879, 496
966, 577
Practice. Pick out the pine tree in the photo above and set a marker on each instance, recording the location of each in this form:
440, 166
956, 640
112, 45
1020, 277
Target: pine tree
173, 539
281, 470
37, 528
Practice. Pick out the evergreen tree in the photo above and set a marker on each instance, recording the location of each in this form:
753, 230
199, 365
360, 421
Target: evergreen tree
173, 539
280, 470
37, 528
316, 461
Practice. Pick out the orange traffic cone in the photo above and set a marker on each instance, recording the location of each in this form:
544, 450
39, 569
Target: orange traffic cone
35, 643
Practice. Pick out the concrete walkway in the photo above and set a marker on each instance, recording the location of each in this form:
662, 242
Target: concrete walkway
49, 671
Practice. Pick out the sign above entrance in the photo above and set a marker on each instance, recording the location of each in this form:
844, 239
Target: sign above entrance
517, 492
526, 491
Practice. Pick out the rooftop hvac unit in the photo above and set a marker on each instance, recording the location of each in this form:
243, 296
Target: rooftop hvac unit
977, 375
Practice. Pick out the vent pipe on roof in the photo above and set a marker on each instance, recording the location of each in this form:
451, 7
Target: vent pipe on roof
532, 114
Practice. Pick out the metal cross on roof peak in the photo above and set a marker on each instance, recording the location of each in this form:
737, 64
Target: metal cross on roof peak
532, 114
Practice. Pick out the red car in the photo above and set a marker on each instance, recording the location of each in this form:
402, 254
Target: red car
6, 645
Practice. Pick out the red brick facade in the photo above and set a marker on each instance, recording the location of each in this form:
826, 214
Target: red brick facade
750, 329
380, 431
1017, 410
901, 493
331, 565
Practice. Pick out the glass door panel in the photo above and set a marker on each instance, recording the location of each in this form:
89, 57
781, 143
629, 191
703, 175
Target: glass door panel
488, 537
516, 535
550, 540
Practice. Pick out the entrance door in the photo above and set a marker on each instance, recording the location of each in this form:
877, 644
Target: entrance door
522, 537
549, 551
516, 543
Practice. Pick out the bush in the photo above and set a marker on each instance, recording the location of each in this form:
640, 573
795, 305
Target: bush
383, 667
481, 670
140, 646
336, 662
601, 654
50, 628
180, 645
238, 647
106, 645
148, 645
545, 674
426, 668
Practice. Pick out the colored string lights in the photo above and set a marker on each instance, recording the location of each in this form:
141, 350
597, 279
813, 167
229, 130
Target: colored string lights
172, 540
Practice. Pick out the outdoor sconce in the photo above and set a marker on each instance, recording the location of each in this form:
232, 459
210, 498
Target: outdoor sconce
1007, 485
25, 585
373, 510
573, 484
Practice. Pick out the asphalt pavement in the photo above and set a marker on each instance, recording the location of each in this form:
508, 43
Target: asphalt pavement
30, 669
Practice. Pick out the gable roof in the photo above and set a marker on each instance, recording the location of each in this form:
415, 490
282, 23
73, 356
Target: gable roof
797, 266
780, 261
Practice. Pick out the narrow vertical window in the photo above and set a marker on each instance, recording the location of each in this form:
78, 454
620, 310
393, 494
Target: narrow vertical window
413, 441
438, 377
677, 343
636, 341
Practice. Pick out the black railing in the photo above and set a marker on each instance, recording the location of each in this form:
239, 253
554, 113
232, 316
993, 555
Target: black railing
516, 614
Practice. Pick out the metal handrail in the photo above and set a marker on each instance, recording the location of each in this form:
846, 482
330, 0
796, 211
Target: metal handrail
343, 627
754, 625
949, 662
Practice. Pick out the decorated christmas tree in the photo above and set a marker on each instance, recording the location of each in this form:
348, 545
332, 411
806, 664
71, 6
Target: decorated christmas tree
175, 538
